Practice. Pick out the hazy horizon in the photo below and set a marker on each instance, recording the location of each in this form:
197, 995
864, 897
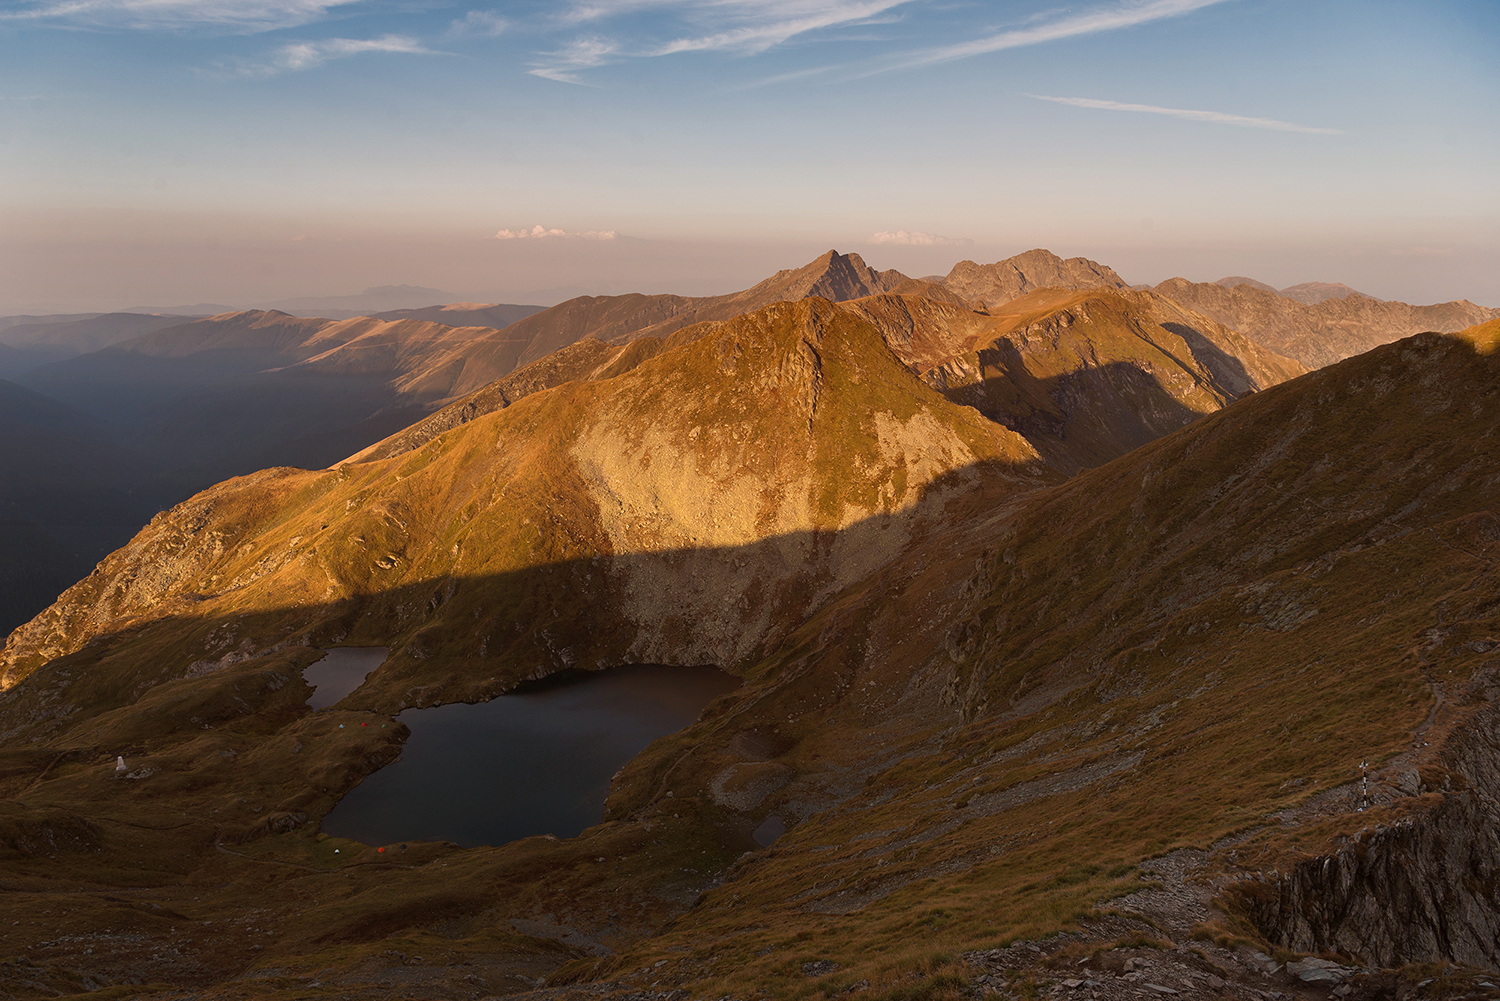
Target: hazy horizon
184, 151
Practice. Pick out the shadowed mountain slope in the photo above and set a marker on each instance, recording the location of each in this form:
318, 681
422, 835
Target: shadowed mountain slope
68, 497
984, 708
1324, 331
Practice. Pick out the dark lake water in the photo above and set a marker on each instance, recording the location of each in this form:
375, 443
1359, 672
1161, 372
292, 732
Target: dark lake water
538, 761
340, 672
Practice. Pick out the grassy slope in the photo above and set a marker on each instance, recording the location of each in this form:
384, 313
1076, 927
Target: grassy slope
1156, 654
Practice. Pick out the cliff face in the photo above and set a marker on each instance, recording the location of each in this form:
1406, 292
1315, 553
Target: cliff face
1422, 889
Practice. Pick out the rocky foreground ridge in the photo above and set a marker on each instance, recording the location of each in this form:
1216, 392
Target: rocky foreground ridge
991, 704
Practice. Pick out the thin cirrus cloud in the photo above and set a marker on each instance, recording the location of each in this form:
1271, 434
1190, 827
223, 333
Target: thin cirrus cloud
746, 27
1089, 22
913, 238
227, 15
753, 26
307, 55
1217, 117
544, 233
770, 31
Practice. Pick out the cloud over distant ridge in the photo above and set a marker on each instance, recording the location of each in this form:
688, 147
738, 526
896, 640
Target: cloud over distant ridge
543, 233
914, 238
1217, 117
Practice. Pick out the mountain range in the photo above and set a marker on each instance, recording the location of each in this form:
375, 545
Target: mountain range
1065, 613
197, 400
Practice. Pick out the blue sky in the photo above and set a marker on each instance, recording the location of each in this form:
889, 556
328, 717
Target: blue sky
177, 151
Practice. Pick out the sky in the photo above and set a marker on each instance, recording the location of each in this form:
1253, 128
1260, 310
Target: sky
164, 152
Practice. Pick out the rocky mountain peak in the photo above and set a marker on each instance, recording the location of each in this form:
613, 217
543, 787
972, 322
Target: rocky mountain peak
834, 276
997, 283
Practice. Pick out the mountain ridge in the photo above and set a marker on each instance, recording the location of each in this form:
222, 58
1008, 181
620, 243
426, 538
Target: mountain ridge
1325, 331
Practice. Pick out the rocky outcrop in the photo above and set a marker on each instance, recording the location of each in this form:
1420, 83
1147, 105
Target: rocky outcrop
990, 285
1424, 890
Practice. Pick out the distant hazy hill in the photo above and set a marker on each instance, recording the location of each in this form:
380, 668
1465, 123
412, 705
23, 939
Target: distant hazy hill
1319, 329
379, 299
16, 320
465, 314
1316, 292
41, 340
236, 392
1308, 292
1234, 280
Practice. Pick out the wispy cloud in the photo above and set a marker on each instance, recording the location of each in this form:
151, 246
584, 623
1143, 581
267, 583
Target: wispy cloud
481, 23
563, 64
230, 15
741, 26
913, 238
544, 233
306, 55
1217, 117
772, 30
1090, 22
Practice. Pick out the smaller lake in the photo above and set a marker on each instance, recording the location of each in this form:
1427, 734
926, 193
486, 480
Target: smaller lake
340, 672
536, 761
